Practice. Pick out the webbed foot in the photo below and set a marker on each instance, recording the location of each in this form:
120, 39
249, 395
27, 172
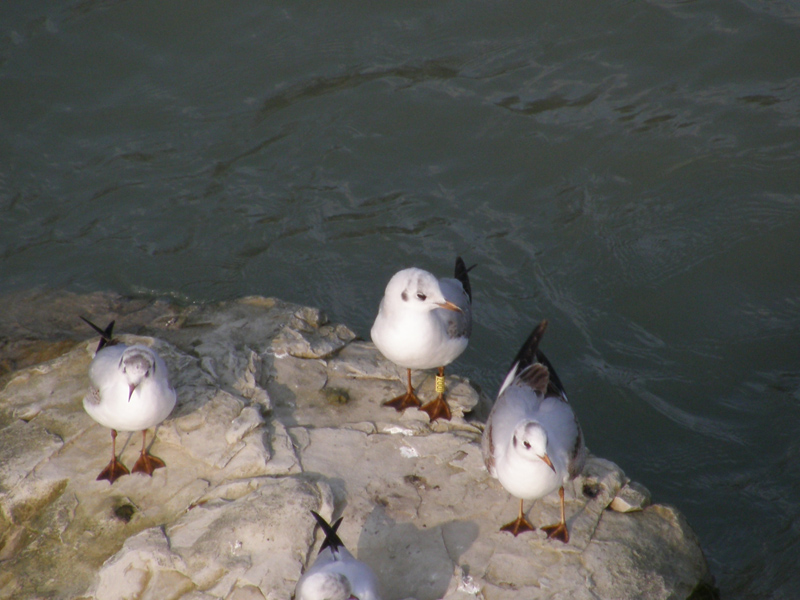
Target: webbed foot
147, 463
407, 400
113, 471
437, 409
519, 525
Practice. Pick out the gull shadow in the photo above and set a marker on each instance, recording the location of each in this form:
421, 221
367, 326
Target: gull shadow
410, 560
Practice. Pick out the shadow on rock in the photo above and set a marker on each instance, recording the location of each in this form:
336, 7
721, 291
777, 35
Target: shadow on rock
410, 561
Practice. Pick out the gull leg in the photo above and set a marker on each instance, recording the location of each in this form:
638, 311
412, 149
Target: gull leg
520, 524
147, 463
438, 408
559, 531
114, 469
406, 400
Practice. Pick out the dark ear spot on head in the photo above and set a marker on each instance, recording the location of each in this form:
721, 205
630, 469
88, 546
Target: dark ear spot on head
514, 441
404, 296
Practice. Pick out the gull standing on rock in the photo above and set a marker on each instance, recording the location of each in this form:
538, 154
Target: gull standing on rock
424, 323
532, 441
129, 391
336, 574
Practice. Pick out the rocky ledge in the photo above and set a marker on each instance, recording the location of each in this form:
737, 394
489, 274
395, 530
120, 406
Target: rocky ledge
279, 413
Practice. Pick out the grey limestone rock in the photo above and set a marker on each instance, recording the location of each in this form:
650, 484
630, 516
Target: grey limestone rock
279, 412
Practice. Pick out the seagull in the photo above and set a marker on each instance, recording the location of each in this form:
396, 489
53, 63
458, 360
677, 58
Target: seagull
424, 323
336, 574
129, 391
532, 441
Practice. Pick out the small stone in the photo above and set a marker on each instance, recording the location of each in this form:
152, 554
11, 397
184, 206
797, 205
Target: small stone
308, 319
463, 586
633, 496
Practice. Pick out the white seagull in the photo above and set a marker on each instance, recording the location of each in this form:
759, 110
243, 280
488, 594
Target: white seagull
424, 323
129, 391
336, 574
532, 442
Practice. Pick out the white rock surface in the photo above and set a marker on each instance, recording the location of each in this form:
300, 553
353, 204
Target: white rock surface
279, 412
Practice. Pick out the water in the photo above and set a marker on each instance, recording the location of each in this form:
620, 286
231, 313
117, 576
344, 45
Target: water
628, 170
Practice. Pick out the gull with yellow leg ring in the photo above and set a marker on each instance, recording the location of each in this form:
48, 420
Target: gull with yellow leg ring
424, 323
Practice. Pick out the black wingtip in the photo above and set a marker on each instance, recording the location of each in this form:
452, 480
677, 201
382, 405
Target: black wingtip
527, 355
106, 337
530, 354
332, 540
461, 273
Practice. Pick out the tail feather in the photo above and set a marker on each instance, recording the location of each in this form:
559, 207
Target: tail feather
526, 356
554, 386
462, 275
529, 352
530, 355
106, 338
332, 540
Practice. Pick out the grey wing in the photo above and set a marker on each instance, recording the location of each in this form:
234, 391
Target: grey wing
564, 431
362, 579
92, 396
104, 369
459, 324
487, 448
508, 410
161, 367
577, 456
455, 293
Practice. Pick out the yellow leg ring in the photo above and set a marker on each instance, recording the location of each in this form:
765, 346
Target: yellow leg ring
439, 384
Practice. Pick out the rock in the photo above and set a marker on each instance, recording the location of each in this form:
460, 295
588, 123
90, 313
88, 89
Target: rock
39, 325
645, 554
279, 412
23, 446
309, 336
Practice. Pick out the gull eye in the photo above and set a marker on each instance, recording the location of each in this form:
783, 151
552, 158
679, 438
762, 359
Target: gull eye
527, 445
421, 296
